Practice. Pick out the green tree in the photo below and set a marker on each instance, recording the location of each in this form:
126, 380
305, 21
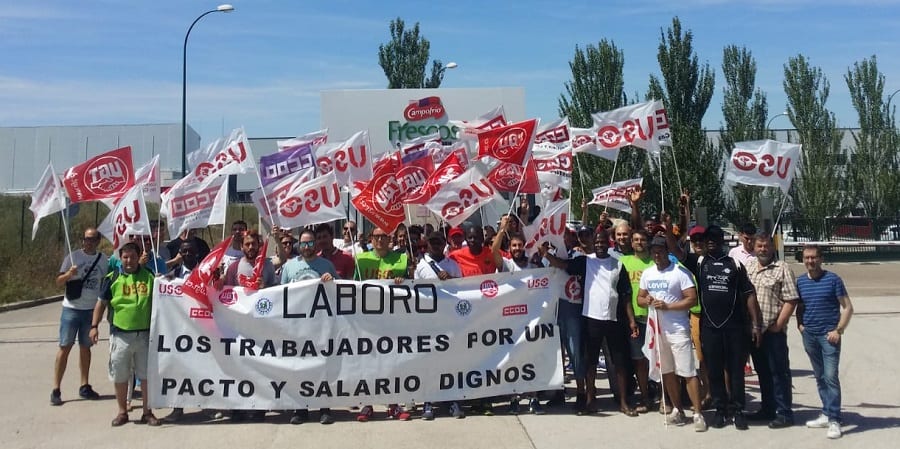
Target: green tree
404, 58
686, 90
598, 84
744, 109
818, 187
872, 173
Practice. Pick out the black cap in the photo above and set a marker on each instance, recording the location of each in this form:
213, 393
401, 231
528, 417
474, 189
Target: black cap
715, 233
585, 230
659, 241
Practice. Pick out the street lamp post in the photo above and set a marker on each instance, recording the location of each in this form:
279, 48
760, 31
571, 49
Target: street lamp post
890, 97
768, 125
449, 65
220, 8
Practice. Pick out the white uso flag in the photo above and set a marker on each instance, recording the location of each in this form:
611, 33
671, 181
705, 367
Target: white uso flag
192, 204
763, 163
616, 195
128, 216
644, 125
47, 198
549, 226
461, 197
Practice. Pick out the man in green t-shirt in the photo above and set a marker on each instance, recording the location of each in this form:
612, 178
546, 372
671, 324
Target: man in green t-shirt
129, 295
635, 264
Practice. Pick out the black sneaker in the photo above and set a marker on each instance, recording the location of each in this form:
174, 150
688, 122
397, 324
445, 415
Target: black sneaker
300, 416
580, 401
740, 421
56, 397
781, 422
325, 416
87, 392
719, 420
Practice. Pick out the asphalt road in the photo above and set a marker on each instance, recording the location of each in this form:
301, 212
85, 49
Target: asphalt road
871, 398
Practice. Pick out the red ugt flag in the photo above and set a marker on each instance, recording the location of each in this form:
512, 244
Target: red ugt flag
196, 285
108, 175
510, 144
381, 200
252, 282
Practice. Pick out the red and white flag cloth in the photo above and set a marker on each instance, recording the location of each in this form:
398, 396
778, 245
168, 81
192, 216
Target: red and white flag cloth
420, 143
644, 125
763, 163
549, 226
584, 140
450, 169
469, 129
553, 137
349, 160
252, 282
266, 198
515, 178
198, 284
47, 198
311, 140
108, 175
312, 202
415, 168
510, 144
148, 178
616, 195
651, 345
192, 203
129, 216
381, 200
232, 156
458, 199
555, 170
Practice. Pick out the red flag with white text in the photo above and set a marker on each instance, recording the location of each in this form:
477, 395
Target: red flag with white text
108, 175
381, 200
510, 144
449, 170
197, 284
515, 178
252, 282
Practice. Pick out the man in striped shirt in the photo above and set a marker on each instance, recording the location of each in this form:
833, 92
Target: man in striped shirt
822, 316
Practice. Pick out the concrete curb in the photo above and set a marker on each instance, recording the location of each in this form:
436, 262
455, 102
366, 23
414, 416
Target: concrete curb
26, 304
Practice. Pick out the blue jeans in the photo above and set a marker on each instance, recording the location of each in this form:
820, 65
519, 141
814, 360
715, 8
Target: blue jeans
571, 326
825, 358
774, 369
72, 323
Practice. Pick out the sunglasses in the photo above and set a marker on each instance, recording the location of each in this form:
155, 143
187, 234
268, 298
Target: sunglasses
90, 239
286, 242
306, 244
349, 229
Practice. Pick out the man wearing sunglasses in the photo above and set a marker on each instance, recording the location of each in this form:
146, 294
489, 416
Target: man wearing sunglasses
88, 265
308, 266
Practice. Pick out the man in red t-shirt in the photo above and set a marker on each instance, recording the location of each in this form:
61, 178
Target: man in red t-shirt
474, 259
343, 262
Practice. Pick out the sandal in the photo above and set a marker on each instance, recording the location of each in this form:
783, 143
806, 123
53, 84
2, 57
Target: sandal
149, 420
628, 411
120, 419
642, 409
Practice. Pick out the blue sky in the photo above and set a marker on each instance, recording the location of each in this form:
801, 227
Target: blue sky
111, 62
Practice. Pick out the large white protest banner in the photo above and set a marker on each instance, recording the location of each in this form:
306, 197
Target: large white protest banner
763, 163
336, 344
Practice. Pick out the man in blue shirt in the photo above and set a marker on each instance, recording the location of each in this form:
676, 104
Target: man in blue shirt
822, 316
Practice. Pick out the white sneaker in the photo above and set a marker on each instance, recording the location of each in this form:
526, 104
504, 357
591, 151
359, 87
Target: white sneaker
819, 423
676, 417
834, 430
699, 423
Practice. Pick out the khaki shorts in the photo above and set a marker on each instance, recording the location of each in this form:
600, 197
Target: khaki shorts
695, 336
677, 354
128, 354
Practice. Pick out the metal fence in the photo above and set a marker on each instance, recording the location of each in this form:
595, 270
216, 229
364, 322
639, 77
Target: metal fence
845, 238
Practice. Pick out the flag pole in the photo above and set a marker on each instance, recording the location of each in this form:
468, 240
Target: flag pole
265, 201
63, 214
662, 191
662, 395
780, 212
518, 189
677, 174
612, 179
153, 251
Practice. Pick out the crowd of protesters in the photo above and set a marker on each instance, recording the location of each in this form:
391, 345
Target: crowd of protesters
717, 309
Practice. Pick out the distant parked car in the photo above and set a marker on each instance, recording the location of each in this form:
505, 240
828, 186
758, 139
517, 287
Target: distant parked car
891, 233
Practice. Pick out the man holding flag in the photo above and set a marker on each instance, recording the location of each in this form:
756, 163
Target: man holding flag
669, 290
